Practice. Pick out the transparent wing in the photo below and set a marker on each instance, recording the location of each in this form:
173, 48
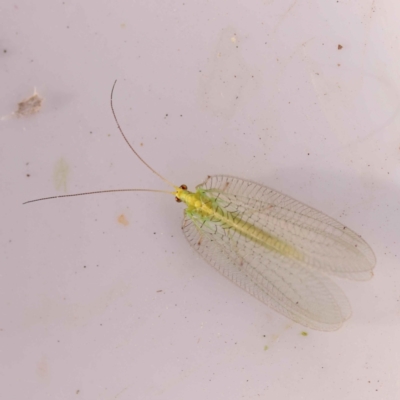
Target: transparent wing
299, 293
297, 289
327, 245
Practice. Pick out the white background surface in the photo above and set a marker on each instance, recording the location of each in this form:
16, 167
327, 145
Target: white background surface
254, 89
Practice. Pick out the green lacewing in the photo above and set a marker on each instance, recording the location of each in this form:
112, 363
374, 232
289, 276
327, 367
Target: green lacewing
274, 247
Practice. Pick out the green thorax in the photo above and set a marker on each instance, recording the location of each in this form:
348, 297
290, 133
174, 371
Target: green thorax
198, 203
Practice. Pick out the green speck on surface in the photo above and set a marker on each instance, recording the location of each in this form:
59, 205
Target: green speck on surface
304, 333
60, 175
265, 348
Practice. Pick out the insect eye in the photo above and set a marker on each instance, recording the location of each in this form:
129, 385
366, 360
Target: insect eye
184, 187
178, 200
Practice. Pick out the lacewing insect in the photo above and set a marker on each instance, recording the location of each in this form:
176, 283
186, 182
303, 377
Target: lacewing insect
274, 247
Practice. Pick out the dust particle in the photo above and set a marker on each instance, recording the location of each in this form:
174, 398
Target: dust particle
339, 47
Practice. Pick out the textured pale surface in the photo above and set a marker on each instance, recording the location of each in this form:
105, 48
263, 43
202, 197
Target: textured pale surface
289, 281
94, 309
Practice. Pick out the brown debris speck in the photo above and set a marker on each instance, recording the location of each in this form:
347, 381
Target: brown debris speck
29, 106
122, 220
